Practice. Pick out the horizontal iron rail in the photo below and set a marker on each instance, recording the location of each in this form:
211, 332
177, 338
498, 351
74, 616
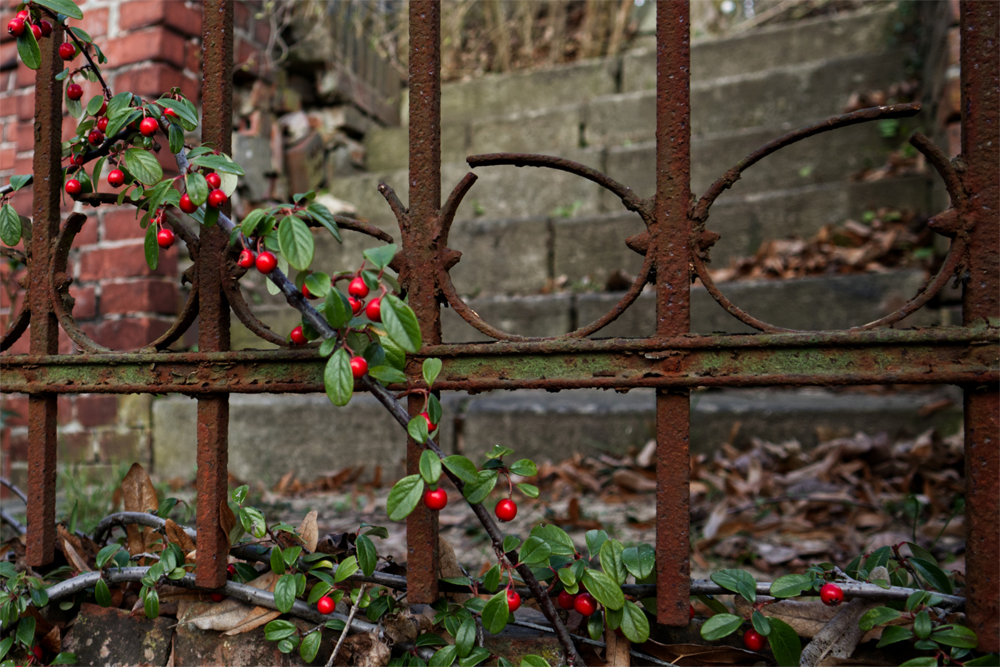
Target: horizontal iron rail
946, 355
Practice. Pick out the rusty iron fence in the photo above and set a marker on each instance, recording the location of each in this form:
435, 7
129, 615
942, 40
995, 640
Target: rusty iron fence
675, 245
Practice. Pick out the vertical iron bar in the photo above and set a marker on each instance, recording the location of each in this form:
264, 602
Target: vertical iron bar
420, 253
980, 62
44, 332
670, 239
213, 318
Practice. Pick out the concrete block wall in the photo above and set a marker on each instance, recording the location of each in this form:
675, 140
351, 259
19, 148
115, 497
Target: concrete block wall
152, 46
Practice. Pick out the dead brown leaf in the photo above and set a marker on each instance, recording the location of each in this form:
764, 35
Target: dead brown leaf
618, 649
138, 495
309, 531
177, 535
227, 519
363, 650
691, 655
52, 641
232, 617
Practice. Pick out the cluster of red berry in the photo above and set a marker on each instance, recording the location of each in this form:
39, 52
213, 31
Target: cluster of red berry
583, 602
357, 290
22, 21
830, 594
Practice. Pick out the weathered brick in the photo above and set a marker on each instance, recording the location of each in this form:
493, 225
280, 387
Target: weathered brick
18, 404
141, 296
157, 43
262, 32
95, 21
25, 106
7, 158
25, 75
192, 58
64, 409
87, 235
122, 224
954, 46
154, 79
24, 135
129, 333
173, 13
242, 16
96, 409
113, 446
123, 262
86, 302
76, 447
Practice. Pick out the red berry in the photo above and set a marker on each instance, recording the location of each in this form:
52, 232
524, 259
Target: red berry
74, 91
373, 310
95, 137
217, 198
67, 51
16, 27
357, 305
358, 288
102, 123
506, 510
37, 31
266, 262
187, 205
148, 127
298, 338
325, 604
104, 107
691, 609
246, 259
585, 604
170, 113
513, 600
431, 427
37, 652
306, 293
566, 599
435, 499
217, 597
214, 181
358, 367
831, 594
116, 178
231, 569
165, 238
753, 640
46, 28
73, 187
23, 15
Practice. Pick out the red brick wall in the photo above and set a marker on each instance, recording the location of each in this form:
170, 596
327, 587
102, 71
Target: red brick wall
152, 46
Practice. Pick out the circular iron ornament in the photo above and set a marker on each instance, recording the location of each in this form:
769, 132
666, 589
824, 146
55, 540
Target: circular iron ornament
59, 283
19, 324
630, 200
941, 164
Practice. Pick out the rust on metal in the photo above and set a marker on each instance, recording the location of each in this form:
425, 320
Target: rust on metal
213, 310
980, 82
44, 330
669, 240
419, 252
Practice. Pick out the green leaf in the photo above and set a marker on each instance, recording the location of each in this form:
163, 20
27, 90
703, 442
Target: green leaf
719, 626
922, 625
318, 283
639, 561
604, 589
288, 645
431, 369
595, 539
444, 657
197, 188
309, 648
791, 585
319, 590
381, 256
478, 654
892, 634
785, 643
400, 324
611, 560
67, 658
990, 660
102, 594
932, 574
465, 638
529, 490
186, 114
387, 375
404, 496
635, 625
927, 661
492, 578
477, 491
10, 224
94, 105
143, 166
67, 7
737, 581
535, 550
151, 248
760, 623
279, 629
5, 646
495, 613
417, 428
430, 466
175, 138
284, 593
296, 242
367, 555
434, 409
218, 163
27, 48
338, 378
39, 597
558, 539
954, 635
462, 468
277, 562
524, 468
151, 605
595, 625
337, 309
19, 181
322, 215
429, 639
534, 661
877, 616
26, 626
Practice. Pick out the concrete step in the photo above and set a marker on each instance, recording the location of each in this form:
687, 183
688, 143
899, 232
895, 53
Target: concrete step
271, 435
866, 33
780, 98
825, 303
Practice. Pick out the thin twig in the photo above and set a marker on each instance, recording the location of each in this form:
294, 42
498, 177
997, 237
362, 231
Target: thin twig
12, 522
350, 619
17, 492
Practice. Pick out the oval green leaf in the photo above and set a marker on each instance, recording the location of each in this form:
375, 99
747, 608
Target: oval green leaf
404, 497
296, 242
719, 626
338, 378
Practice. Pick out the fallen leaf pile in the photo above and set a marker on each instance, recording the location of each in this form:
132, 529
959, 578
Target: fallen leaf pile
889, 239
